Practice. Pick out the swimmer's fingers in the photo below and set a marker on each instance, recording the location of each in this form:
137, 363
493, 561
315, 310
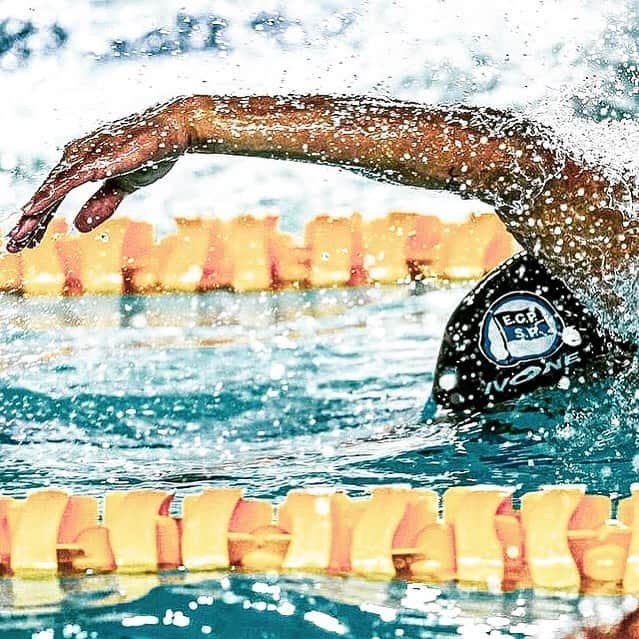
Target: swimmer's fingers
136, 150
65, 177
37, 214
30, 230
102, 155
30, 224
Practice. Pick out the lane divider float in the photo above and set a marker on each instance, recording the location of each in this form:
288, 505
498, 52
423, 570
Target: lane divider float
250, 253
558, 538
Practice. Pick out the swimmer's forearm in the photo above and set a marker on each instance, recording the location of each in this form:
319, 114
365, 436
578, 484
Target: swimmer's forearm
475, 152
496, 156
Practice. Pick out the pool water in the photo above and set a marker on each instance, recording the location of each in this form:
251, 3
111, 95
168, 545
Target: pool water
271, 392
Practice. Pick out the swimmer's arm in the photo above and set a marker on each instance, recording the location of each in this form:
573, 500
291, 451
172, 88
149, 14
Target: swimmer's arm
493, 155
476, 152
557, 208
473, 151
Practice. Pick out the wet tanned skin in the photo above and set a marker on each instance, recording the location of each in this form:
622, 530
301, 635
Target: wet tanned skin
557, 208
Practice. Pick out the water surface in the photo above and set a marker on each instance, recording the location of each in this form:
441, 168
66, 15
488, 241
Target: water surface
270, 392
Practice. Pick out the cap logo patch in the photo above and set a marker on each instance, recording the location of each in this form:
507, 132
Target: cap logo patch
520, 327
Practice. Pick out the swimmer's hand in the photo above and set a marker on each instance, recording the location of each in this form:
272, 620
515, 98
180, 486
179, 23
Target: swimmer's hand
125, 155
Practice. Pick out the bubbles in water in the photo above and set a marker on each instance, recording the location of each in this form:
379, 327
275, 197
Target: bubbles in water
564, 383
277, 371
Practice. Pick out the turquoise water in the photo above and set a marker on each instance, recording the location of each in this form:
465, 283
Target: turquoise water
273, 392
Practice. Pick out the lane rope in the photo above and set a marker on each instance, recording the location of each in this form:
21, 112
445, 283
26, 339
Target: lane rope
558, 537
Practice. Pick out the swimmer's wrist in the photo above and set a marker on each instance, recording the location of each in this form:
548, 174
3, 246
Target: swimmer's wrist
195, 114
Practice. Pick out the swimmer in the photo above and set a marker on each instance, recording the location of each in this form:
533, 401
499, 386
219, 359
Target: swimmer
565, 213
533, 322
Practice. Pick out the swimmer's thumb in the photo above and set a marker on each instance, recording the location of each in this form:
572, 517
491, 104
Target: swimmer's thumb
103, 203
100, 206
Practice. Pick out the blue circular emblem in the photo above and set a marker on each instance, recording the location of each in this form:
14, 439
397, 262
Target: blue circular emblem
520, 327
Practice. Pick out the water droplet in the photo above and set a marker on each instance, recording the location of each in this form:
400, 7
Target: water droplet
448, 380
571, 336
